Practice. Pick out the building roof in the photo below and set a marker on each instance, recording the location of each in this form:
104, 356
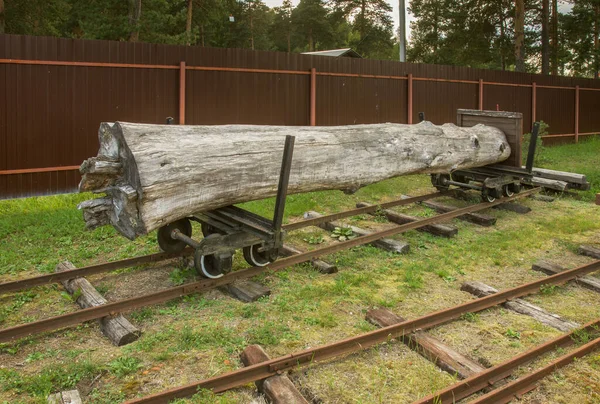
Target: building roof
346, 52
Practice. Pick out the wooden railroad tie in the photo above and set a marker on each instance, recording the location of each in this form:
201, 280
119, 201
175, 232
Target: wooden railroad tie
116, 327
279, 389
443, 230
476, 218
542, 198
508, 206
247, 291
589, 251
65, 397
397, 246
431, 348
320, 265
521, 306
549, 268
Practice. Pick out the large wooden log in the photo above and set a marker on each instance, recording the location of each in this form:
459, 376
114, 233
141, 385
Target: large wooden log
155, 174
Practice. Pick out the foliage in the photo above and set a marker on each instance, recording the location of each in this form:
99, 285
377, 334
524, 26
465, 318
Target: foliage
476, 33
343, 233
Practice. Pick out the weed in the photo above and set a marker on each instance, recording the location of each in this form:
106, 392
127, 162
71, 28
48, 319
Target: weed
179, 276
314, 239
124, 366
510, 333
380, 216
548, 289
470, 317
343, 233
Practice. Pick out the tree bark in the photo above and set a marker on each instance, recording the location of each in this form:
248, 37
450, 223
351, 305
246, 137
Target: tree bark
554, 38
519, 35
2, 23
135, 12
596, 41
155, 174
545, 37
188, 23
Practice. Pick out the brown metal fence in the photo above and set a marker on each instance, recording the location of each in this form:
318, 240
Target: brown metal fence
54, 92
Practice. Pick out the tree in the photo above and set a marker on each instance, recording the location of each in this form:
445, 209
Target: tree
545, 37
371, 20
282, 24
33, 17
135, 11
581, 29
188, 22
309, 21
1, 16
519, 35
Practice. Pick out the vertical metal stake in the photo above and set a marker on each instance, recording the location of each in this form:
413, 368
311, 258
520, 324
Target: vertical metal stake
284, 179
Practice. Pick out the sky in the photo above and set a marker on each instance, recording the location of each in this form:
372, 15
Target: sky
394, 4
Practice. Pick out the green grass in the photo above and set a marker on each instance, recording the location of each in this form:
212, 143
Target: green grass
581, 158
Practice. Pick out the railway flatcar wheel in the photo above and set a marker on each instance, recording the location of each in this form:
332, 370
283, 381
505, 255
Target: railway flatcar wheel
168, 243
256, 258
439, 181
508, 190
489, 195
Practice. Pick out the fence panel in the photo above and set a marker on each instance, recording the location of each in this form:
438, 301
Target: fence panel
56, 91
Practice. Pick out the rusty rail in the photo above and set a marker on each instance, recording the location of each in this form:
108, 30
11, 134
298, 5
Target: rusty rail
111, 266
478, 382
65, 320
527, 383
263, 370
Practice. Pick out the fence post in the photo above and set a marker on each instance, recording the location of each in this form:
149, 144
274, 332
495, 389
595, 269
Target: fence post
182, 93
481, 94
576, 114
533, 102
313, 96
409, 109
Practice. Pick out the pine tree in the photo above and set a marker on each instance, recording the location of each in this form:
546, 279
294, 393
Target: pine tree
372, 21
310, 24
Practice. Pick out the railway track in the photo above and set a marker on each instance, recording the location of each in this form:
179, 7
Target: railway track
92, 313
361, 342
22, 284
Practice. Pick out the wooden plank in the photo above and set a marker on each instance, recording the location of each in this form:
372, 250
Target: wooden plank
597, 199
560, 175
443, 230
247, 291
477, 218
388, 244
279, 389
117, 328
549, 268
521, 306
320, 265
548, 184
431, 348
590, 251
65, 397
